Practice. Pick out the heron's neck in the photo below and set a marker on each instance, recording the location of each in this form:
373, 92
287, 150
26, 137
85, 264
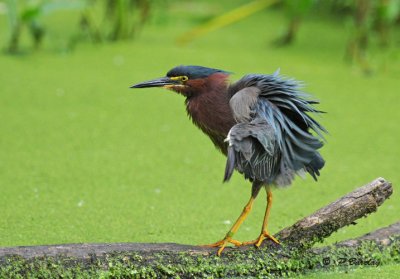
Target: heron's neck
209, 109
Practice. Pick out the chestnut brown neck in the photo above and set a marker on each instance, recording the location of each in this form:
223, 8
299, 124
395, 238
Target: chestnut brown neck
207, 104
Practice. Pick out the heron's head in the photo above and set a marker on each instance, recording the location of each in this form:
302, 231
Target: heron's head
188, 80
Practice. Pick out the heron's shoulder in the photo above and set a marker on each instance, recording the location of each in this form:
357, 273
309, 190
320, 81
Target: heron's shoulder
246, 92
242, 103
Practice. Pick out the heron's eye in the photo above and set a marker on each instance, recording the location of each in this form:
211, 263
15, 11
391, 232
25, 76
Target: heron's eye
180, 78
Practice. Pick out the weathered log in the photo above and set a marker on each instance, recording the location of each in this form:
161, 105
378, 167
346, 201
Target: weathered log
382, 237
294, 255
338, 214
305, 232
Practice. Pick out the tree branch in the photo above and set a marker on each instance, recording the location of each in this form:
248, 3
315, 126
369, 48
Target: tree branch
293, 256
340, 213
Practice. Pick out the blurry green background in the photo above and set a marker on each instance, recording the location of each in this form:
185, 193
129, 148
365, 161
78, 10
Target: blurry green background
83, 158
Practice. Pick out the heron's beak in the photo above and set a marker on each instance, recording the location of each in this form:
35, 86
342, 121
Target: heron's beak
160, 82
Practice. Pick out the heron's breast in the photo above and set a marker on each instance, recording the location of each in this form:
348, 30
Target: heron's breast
213, 117
210, 115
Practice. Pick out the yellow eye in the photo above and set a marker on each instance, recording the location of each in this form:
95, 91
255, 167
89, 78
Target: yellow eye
181, 78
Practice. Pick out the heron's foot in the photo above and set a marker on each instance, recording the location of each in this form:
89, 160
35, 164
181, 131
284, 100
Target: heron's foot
257, 242
222, 244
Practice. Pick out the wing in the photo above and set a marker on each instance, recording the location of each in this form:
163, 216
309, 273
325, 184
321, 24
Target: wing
252, 151
252, 145
285, 110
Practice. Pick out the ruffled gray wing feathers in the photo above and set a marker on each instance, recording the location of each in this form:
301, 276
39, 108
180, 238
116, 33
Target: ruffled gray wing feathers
271, 141
252, 150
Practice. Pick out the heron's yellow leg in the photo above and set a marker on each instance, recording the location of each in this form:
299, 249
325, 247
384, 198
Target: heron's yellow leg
228, 237
264, 231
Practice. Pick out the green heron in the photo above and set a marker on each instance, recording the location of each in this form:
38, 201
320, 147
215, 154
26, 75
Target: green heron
262, 124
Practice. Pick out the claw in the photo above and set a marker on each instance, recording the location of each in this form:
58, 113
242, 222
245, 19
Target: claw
222, 244
257, 242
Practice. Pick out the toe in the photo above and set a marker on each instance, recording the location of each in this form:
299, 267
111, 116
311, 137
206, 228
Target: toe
272, 238
216, 244
220, 250
235, 242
